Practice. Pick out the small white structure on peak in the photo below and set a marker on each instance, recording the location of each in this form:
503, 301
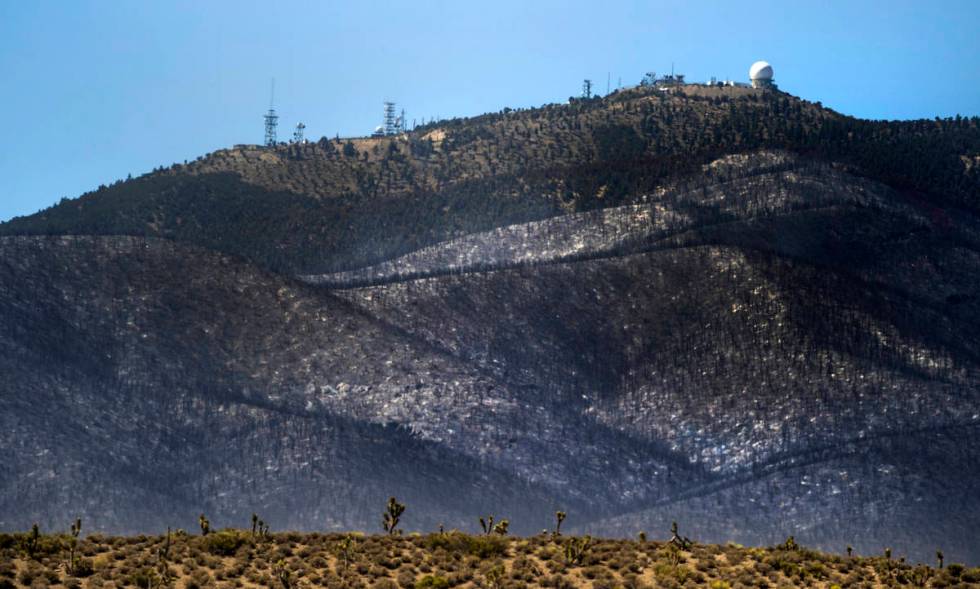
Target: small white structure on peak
760, 74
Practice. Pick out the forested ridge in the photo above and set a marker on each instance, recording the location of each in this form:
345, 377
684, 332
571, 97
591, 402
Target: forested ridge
339, 204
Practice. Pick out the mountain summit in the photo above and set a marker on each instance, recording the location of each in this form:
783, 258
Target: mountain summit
727, 307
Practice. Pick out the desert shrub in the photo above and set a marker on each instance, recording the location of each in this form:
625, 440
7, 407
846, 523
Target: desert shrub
8, 541
451, 542
384, 584
406, 578
480, 546
955, 570
7, 569
225, 542
6, 583
84, 567
48, 546
594, 572
432, 582
487, 546
27, 576
667, 573
815, 569
557, 581
142, 579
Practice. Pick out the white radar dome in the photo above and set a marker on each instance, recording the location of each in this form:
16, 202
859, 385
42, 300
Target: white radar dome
760, 70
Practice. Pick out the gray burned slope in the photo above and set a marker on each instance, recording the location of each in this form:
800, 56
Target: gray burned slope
144, 382
803, 336
784, 348
147, 381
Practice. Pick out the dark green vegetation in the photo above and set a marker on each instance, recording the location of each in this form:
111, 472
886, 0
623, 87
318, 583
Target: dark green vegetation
733, 309
327, 207
447, 559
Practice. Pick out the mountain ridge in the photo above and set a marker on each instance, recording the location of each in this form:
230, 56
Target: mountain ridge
294, 207
758, 343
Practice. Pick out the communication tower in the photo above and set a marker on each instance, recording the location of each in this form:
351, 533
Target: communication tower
391, 119
587, 89
271, 119
298, 133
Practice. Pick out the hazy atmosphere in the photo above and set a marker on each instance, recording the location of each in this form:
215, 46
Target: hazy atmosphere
86, 85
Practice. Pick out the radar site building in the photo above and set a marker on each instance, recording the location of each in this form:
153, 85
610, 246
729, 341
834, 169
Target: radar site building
761, 75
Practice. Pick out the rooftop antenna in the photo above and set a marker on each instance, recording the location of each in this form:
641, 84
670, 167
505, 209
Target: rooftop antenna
391, 120
402, 122
587, 88
298, 133
271, 119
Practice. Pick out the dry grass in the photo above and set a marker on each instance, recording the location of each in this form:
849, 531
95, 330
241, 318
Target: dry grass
236, 560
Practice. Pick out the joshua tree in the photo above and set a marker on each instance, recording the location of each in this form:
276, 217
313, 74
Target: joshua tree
559, 517
489, 527
642, 536
494, 576
939, 557
164, 552
255, 522
888, 553
282, 573
392, 516
575, 549
487, 524
205, 525
346, 549
76, 529
678, 540
501, 527
32, 542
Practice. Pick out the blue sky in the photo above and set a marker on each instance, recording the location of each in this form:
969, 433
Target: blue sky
93, 91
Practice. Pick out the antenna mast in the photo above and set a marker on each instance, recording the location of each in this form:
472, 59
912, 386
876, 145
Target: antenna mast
391, 119
298, 133
587, 88
271, 119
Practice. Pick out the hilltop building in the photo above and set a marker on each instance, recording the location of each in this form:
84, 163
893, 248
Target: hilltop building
760, 75
671, 79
